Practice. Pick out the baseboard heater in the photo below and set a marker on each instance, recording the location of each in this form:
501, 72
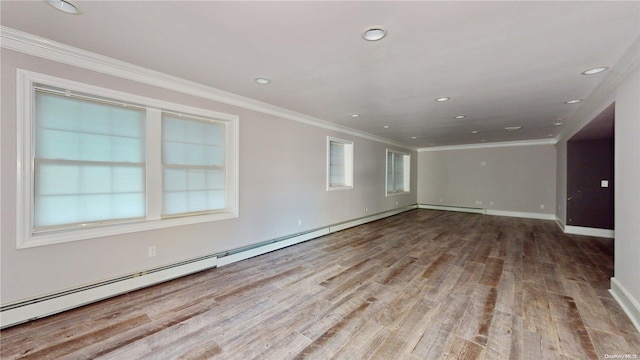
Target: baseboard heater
27, 310
12, 314
453, 208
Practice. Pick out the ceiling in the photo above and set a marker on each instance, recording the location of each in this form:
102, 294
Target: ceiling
501, 63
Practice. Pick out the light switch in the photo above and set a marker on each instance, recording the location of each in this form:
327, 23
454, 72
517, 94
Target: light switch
604, 183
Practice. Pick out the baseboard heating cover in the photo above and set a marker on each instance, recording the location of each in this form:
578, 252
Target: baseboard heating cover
16, 313
23, 311
453, 208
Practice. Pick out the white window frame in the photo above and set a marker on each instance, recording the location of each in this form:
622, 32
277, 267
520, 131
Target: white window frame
347, 146
26, 237
406, 167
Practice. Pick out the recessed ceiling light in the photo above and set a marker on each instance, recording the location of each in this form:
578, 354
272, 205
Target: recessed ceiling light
474, 132
483, 140
460, 117
262, 81
573, 101
386, 126
374, 33
414, 137
441, 99
596, 70
64, 6
355, 115
557, 123
513, 128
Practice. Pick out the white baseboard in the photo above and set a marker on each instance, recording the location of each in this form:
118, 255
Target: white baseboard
518, 214
24, 311
560, 223
452, 208
587, 231
629, 304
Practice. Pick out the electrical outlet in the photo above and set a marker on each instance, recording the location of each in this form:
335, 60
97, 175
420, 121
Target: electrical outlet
299, 222
366, 209
152, 251
396, 202
478, 202
541, 206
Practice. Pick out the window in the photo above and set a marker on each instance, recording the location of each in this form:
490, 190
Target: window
193, 165
398, 172
89, 160
96, 162
339, 164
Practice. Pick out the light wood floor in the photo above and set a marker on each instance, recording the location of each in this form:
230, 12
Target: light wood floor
423, 284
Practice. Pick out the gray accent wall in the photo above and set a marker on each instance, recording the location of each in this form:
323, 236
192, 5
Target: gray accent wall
517, 179
589, 163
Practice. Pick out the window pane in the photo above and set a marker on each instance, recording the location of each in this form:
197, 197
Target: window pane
390, 187
63, 193
89, 161
398, 172
192, 142
193, 157
74, 129
336, 164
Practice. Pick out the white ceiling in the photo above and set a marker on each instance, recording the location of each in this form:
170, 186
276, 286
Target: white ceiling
502, 63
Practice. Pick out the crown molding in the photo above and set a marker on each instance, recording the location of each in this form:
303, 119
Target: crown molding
34, 45
491, 145
604, 93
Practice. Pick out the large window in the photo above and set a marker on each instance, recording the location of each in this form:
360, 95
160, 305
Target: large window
96, 162
89, 160
398, 172
339, 164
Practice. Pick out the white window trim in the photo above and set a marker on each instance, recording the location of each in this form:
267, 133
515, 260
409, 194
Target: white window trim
26, 238
348, 163
406, 177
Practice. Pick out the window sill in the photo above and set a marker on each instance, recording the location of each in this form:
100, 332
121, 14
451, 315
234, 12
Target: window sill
398, 193
332, 188
67, 235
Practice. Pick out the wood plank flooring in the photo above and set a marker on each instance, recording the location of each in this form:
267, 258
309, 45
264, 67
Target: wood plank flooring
420, 285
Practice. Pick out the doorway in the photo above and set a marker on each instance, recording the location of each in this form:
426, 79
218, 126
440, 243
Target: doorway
590, 173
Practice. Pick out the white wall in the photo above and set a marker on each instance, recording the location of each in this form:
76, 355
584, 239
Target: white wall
627, 197
517, 179
622, 86
282, 179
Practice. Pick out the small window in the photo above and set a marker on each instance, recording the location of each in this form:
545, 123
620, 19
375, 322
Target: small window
339, 164
398, 172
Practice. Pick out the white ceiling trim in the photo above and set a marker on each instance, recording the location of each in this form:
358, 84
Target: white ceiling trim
604, 93
491, 145
30, 44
